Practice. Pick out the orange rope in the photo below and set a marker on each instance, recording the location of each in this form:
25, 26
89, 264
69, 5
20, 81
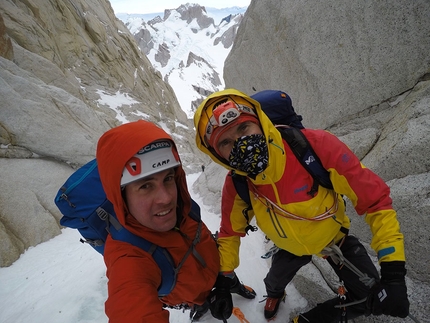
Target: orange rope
238, 313
278, 210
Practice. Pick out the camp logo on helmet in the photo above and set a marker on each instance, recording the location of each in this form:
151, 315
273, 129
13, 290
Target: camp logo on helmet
161, 163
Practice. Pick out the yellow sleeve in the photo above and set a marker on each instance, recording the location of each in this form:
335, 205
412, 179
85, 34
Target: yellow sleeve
228, 248
387, 239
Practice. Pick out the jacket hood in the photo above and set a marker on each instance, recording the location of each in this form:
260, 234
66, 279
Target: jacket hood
272, 135
116, 146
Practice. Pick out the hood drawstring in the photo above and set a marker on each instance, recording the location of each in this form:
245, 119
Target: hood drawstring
280, 148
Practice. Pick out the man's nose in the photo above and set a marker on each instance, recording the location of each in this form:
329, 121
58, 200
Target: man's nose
163, 195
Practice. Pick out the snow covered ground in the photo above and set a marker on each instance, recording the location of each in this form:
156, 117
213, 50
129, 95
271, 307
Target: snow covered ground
63, 281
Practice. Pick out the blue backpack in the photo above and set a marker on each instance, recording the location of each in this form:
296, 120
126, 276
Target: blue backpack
83, 203
277, 105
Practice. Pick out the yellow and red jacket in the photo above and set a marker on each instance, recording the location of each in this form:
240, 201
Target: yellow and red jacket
285, 183
133, 274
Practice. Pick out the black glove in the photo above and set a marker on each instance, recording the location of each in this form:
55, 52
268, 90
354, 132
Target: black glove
389, 296
220, 302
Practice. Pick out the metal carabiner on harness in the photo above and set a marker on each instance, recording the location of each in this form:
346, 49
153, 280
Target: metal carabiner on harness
341, 294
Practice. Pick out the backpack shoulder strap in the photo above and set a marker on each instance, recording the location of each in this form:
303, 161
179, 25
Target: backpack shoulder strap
196, 216
304, 152
241, 185
195, 211
161, 256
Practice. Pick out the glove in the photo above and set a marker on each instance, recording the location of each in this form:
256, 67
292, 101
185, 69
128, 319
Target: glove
220, 301
389, 296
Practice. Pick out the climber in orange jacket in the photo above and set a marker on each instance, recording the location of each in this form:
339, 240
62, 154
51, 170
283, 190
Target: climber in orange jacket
142, 176
234, 131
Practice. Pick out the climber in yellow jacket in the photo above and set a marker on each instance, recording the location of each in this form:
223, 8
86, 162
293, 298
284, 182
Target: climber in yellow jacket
234, 131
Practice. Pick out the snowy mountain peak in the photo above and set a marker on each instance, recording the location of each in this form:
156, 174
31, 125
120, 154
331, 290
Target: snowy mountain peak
188, 46
189, 12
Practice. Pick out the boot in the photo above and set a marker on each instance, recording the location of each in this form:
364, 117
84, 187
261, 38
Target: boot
197, 311
272, 306
325, 312
241, 289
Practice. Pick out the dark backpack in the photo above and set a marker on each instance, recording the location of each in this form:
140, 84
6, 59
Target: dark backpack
277, 105
83, 203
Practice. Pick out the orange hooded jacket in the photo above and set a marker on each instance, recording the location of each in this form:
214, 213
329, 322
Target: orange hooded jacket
133, 274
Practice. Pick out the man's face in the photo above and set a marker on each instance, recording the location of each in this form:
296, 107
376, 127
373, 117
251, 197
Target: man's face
227, 139
152, 200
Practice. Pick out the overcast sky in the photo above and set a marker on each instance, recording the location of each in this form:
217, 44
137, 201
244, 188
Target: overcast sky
150, 6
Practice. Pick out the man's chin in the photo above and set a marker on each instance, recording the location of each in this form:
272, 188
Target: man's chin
167, 224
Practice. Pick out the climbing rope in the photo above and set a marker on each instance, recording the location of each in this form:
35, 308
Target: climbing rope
336, 255
238, 313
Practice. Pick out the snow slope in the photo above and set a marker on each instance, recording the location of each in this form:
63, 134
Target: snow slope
63, 281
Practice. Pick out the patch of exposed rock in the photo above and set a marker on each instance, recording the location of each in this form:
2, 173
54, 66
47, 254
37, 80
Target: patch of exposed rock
68, 72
